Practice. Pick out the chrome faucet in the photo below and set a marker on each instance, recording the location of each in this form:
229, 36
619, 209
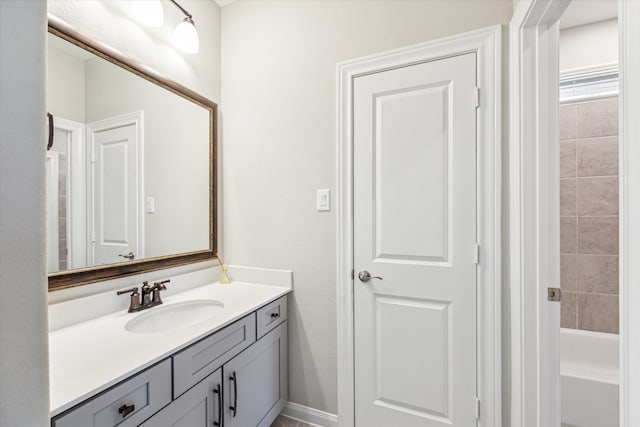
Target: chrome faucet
150, 295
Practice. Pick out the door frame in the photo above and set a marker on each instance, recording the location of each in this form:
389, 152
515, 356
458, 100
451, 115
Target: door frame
76, 207
135, 118
533, 86
486, 44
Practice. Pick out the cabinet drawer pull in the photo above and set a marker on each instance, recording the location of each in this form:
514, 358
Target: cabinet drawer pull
275, 315
217, 391
126, 409
234, 408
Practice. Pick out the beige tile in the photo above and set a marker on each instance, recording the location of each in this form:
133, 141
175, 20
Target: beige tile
568, 235
598, 313
283, 421
569, 310
597, 118
568, 163
598, 235
597, 156
568, 197
568, 272
596, 196
597, 274
568, 121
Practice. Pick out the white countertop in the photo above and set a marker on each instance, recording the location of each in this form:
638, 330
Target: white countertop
89, 357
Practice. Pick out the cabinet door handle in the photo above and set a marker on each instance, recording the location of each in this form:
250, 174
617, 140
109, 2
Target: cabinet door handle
234, 408
126, 409
217, 391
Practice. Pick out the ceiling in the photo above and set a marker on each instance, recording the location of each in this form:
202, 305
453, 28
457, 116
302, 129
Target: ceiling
581, 12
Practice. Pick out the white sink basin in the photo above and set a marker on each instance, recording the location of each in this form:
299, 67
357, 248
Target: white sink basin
181, 314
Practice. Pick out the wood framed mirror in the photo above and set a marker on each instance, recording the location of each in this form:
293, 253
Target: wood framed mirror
131, 171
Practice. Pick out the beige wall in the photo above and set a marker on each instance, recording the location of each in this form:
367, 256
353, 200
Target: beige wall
279, 146
65, 85
589, 45
24, 381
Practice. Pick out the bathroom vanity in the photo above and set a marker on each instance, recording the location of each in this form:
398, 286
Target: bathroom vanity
227, 370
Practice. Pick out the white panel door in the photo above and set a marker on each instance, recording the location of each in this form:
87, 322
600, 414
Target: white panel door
415, 227
115, 194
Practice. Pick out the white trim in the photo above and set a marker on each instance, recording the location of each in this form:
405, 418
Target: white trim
309, 415
589, 70
529, 83
534, 223
486, 43
629, 30
76, 178
135, 118
589, 83
52, 173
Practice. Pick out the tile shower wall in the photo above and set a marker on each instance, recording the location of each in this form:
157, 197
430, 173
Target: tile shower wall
589, 214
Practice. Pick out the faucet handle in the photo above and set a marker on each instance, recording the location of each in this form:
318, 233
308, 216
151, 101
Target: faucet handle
134, 304
160, 285
156, 288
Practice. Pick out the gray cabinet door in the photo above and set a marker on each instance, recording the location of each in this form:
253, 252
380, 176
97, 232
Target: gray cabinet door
255, 382
198, 407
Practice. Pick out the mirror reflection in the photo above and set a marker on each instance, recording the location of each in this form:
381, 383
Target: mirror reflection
128, 174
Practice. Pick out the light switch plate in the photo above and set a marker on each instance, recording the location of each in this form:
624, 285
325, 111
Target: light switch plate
150, 204
323, 200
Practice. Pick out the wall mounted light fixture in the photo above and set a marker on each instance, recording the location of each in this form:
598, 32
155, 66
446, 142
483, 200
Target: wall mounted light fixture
185, 36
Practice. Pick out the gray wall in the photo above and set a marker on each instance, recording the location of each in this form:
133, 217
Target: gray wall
24, 385
278, 102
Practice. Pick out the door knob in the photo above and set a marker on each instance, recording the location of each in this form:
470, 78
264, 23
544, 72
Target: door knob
130, 255
365, 276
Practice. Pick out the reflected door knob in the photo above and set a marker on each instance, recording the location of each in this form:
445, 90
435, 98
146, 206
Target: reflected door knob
130, 255
365, 276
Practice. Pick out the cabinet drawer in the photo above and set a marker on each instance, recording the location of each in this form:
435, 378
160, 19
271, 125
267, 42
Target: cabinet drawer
271, 315
202, 358
142, 395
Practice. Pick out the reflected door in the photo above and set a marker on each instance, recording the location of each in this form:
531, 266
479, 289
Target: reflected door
115, 192
415, 227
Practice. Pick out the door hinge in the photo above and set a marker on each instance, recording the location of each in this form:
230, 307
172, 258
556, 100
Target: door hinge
353, 274
554, 294
477, 95
477, 408
477, 254
93, 237
93, 157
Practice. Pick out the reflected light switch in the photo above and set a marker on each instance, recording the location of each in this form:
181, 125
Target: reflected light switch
323, 200
151, 204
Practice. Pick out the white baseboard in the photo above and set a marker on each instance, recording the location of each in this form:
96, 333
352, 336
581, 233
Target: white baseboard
310, 415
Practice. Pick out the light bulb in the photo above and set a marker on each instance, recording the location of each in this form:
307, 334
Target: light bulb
185, 37
148, 12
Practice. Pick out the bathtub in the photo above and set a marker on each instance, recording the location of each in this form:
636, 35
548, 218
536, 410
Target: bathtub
589, 378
